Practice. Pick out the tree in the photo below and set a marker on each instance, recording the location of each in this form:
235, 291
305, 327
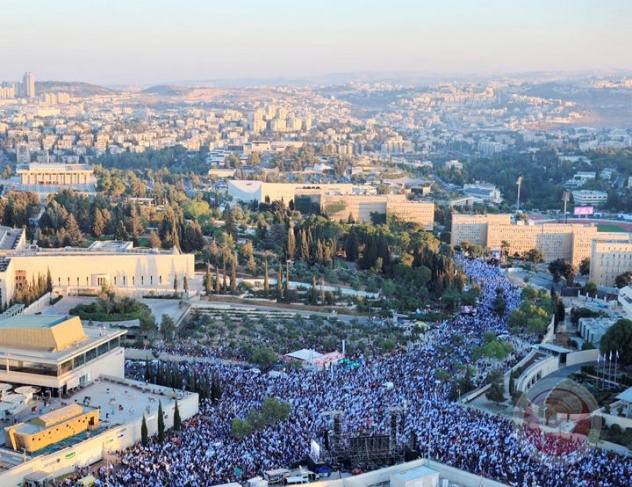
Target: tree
161, 423
177, 420
239, 428
496, 393
144, 434
154, 240
623, 280
175, 284
208, 281
264, 356
274, 410
121, 232
72, 230
167, 327
147, 323
352, 246
185, 284
591, 288
562, 268
291, 244
266, 281
233, 275
618, 339
584, 266
49, 281
98, 225
534, 255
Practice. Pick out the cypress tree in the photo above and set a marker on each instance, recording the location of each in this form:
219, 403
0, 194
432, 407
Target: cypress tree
177, 420
291, 243
266, 282
144, 435
161, 423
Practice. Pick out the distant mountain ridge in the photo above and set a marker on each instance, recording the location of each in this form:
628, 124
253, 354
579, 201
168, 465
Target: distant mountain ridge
75, 88
167, 90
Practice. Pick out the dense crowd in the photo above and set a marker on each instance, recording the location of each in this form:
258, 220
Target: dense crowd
487, 445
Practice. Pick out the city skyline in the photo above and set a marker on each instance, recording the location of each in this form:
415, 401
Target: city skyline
161, 42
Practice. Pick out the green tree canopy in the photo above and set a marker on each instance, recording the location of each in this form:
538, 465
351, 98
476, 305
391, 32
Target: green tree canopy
618, 339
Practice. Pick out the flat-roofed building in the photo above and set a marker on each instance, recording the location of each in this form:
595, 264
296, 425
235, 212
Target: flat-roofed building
589, 197
593, 329
360, 207
120, 265
608, 259
555, 241
50, 428
244, 190
474, 228
57, 352
51, 174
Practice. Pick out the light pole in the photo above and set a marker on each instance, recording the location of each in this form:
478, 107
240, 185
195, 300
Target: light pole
519, 183
565, 197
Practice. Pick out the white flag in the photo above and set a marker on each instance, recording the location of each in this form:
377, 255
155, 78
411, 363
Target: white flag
611, 355
617, 353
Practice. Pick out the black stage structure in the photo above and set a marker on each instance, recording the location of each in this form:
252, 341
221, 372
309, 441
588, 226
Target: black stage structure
367, 452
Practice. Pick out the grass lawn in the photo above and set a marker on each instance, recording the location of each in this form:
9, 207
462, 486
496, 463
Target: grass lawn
610, 228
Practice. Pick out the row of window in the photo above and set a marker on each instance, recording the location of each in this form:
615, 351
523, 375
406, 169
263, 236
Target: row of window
102, 281
57, 371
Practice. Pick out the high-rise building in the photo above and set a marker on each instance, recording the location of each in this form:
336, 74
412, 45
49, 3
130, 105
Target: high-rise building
28, 85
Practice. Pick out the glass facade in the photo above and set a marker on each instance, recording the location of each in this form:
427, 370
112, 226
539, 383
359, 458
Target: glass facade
33, 367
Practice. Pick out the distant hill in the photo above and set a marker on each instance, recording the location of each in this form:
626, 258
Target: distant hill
75, 88
167, 90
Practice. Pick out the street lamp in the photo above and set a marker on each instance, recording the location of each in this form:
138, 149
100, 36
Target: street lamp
565, 197
519, 183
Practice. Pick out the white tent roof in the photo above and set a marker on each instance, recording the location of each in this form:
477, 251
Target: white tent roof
305, 355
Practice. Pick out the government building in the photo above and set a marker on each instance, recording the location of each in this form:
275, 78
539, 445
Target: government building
556, 241
337, 201
608, 259
53, 174
65, 401
73, 270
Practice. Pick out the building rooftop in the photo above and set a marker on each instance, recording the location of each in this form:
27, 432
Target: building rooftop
9, 238
52, 418
121, 401
304, 354
626, 395
41, 332
49, 338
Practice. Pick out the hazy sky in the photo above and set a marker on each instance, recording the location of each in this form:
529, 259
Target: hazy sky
151, 41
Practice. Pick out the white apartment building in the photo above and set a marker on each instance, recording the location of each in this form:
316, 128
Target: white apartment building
584, 197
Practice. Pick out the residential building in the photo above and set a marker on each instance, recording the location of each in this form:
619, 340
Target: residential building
28, 85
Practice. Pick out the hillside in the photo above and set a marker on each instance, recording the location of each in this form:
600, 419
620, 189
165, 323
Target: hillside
75, 88
167, 90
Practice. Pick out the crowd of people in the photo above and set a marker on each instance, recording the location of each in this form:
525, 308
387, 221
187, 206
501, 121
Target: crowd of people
463, 437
